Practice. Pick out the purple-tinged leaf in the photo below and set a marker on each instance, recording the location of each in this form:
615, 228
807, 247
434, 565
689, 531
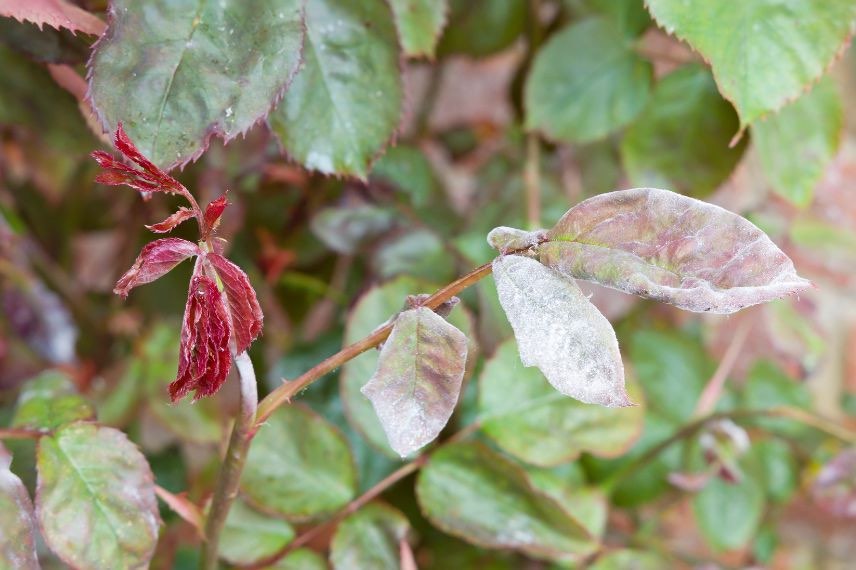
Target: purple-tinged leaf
182, 215
17, 523
561, 332
204, 359
54, 13
95, 498
156, 259
245, 312
678, 250
505, 239
418, 379
835, 486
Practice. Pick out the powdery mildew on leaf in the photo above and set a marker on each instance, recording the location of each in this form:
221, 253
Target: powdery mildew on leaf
561, 332
505, 239
17, 523
418, 378
678, 250
95, 498
54, 13
370, 538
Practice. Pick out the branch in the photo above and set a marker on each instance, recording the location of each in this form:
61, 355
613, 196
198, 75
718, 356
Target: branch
20, 433
713, 390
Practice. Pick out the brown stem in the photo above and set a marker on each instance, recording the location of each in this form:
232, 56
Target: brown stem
531, 177
20, 433
287, 390
713, 390
233, 463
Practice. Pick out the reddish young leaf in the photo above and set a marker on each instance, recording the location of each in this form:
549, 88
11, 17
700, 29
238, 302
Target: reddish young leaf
146, 178
244, 307
213, 212
204, 359
183, 214
54, 13
156, 259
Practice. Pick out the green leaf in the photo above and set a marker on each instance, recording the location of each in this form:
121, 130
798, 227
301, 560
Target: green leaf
728, 514
376, 306
17, 538
798, 142
778, 468
630, 15
345, 229
589, 505
49, 401
764, 53
482, 27
299, 466
530, 420
471, 492
418, 379
767, 386
95, 498
419, 23
630, 560
369, 538
588, 96
419, 253
671, 248
300, 559
250, 536
175, 73
560, 331
344, 105
407, 168
681, 140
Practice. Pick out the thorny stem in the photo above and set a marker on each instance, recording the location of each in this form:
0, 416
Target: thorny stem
233, 463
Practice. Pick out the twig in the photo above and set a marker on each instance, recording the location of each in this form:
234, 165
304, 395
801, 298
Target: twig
713, 390
21, 433
532, 180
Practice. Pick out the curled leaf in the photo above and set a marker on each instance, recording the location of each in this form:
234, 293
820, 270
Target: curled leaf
505, 239
213, 211
204, 359
561, 332
245, 312
671, 248
182, 215
418, 378
156, 259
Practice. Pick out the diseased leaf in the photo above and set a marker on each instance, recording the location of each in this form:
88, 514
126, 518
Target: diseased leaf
156, 259
681, 140
95, 498
249, 535
54, 13
566, 484
598, 90
244, 310
177, 73
482, 27
764, 53
561, 332
181, 215
344, 105
476, 494
49, 401
797, 143
204, 359
835, 485
17, 537
299, 466
671, 248
369, 538
419, 23
530, 420
418, 379
506, 240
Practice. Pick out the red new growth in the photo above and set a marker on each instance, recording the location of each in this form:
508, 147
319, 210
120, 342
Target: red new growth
215, 320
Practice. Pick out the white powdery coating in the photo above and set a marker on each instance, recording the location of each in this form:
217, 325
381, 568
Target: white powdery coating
418, 379
505, 239
17, 524
561, 332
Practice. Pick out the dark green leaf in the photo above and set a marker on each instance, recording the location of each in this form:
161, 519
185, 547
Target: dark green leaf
472, 492
49, 401
419, 23
482, 27
250, 536
419, 253
681, 140
406, 168
597, 91
344, 229
18, 524
728, 514
630, 15
299, 466
344, 105
369, 538
96, 498
175, 73
46, 45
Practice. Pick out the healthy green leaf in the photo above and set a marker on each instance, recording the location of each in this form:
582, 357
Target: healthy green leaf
728, 514
95, 498
764, 53
49, 401
630, 15
482, 27
767, 386
671, 248
18, 524
300, 559
344, 105
250, 536
369, 538
530, 420
560, 331
419, 23
418, 379
681, 140
778, 468
176, 73
476, 494
344, 229
798, 142
299, 466
419, 253
407, 168
598, 90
